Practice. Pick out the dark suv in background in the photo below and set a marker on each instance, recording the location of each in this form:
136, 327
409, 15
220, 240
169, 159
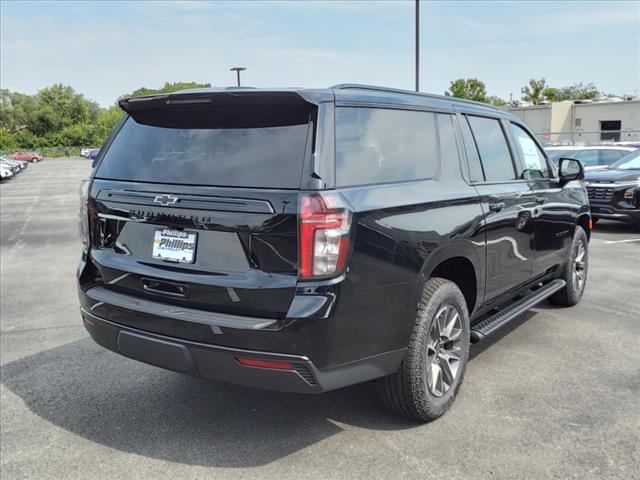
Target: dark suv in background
614, 193
306, 240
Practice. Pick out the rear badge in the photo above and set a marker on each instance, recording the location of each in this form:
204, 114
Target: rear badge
165, 199
174, 245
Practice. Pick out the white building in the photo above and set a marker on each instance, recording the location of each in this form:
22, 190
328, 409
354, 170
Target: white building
583, 121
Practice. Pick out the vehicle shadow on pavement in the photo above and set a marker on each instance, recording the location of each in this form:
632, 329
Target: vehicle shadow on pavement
140, 409
606, 226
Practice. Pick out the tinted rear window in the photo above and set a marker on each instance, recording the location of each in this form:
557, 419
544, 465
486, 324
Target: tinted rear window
269, 155
376, 145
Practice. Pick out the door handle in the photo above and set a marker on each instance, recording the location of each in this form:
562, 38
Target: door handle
170, 289
541, 200
496, 207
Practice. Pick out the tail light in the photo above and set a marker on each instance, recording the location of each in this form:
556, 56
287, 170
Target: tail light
83, 214
325, 222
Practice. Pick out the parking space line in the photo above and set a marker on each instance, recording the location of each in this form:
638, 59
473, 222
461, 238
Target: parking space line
624, 241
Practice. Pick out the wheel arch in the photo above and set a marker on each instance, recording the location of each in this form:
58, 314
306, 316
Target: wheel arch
584, 221
463, 266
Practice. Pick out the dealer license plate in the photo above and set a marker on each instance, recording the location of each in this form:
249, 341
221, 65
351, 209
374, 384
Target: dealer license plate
174, 245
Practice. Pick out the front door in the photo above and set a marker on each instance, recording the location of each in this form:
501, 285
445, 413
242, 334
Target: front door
553, 213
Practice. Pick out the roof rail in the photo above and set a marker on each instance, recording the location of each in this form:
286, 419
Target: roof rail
357, 86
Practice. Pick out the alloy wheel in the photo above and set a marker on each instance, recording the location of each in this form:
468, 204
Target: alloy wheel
443, 350
578, 274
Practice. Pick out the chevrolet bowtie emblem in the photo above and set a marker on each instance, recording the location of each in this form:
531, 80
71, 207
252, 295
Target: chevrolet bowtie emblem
165, 199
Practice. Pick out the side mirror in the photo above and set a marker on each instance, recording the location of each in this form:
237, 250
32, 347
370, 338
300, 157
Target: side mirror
570, 169
93, 156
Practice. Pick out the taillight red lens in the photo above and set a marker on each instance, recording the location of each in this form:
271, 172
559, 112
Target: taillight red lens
325, 223
83, 213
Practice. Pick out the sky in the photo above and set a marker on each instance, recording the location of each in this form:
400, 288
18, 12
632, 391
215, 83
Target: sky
106, 49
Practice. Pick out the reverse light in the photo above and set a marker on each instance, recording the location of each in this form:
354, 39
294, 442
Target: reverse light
324, 223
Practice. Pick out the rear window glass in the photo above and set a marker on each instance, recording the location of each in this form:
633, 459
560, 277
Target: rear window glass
375, 145
264, 156
607, 157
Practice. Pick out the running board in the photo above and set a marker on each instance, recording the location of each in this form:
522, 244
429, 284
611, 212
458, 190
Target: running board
504, 316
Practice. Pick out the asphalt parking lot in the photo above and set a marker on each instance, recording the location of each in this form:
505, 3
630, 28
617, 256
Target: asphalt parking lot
556, 396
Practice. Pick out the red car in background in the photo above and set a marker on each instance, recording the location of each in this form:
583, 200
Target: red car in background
28, 156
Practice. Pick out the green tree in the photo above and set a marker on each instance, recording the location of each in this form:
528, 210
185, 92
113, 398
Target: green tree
468, 88
107, 120
44, 120
497, 101
551, 94
166, 88
578, 91
59, 116
533, 91
75, 135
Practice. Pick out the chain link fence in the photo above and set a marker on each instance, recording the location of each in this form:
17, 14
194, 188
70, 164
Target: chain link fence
581, 138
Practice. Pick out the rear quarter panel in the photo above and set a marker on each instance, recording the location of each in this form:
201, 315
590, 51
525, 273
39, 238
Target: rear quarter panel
402, 232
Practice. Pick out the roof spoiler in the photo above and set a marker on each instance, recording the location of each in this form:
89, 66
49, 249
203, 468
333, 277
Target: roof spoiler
223, 98
219, 109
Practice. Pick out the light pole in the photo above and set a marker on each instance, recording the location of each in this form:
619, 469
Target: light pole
417, 45
237, 70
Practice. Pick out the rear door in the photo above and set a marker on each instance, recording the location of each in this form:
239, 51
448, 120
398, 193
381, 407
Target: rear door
195, 203
507, 204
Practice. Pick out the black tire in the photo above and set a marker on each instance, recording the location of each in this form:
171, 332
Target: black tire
408, 392
34, 159
571, 294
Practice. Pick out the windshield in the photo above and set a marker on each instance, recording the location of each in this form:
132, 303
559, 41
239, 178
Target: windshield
628, 162
270, 155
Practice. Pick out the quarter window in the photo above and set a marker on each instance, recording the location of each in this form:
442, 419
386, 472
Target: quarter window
376, 145
493, 149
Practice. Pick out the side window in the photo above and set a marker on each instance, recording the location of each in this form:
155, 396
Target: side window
493, 148
607, 157
589, 158
535, 165
475, 167
376, 145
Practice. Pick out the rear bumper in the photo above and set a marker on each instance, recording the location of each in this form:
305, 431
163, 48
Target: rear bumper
220, 363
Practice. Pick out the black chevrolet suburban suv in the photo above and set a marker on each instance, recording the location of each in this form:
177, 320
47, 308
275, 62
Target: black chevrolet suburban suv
304, 240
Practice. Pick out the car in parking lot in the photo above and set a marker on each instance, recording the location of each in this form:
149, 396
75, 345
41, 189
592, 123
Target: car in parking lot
614, 193
32, 157
19, 164
592, 157
12, 166
5, 172
93, 154
305, 240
